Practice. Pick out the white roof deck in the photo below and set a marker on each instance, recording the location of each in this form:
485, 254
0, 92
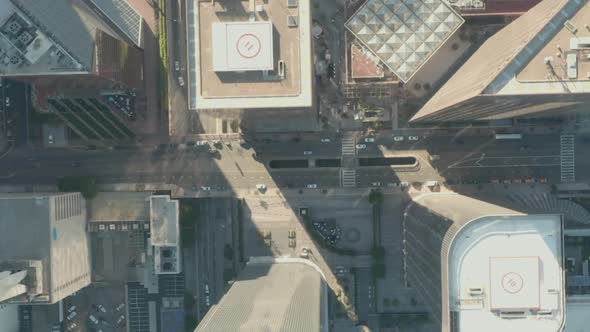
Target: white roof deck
242, 46
516, 264
164, 221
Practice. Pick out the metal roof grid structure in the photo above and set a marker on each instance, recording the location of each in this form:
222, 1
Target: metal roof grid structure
404, 34
123, 16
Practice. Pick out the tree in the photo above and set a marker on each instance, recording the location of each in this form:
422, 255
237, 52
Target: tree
187, 214
378, 253
375, 197
228, 252
379, 270
86, 185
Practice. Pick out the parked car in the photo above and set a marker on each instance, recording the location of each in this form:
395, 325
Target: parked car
72, 308
205, 188
398, 138
307, 153
72, 326
120, 307
369, 139
50, 139
312, 186
102, 308
325, 140
413, 138
180, 81
361, 146
93, 319
71, 316
176, 65
120, 320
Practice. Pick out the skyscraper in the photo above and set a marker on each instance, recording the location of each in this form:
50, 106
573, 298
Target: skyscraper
483, 267
269, 294
535, 66
44, 250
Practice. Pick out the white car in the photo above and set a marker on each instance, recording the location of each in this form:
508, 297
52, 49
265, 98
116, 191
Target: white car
180, 81
50, 139
261, 186
120, 307
307, 153
72, 326
325, 140
361, 146
7, 102
413, 138
176, 66
376, 184
201, 143
205, 188
398, 138
72, 315
120, 319
369, 139
312, 186
93, 319
72, 308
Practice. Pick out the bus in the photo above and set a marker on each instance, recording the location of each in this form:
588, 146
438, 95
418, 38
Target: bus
508, 136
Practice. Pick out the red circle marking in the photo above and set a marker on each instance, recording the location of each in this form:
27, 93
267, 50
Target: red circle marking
248, 46
512, 282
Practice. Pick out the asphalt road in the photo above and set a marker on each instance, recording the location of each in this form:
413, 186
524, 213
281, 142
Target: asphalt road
472, 159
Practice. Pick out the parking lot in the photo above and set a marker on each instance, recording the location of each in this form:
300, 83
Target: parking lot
95, 308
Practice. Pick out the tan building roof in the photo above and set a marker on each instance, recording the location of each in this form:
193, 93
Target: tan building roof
494, 56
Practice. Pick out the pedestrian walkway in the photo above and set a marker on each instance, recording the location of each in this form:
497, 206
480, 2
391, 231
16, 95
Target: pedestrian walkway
348, 170
348, 177
348, 146
568, 173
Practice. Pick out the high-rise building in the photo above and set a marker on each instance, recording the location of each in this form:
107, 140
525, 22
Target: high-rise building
279, 294
536, 66
87, 39
250, 54
483, 267
44, 250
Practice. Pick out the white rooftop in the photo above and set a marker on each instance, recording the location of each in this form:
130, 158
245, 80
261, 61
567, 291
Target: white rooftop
514, 283
242, 46
163, 221
404, 34
501, 266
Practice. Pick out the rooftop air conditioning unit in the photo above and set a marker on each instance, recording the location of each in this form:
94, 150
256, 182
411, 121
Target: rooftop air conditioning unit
292, 21
292, 3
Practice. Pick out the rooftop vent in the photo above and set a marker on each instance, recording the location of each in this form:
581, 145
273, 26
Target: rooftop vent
292, 3
292, 21
570, 26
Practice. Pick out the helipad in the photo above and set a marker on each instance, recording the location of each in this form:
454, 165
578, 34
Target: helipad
242, 46
514, 283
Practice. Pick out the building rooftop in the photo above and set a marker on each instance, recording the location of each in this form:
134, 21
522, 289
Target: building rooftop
51, 228
242, 57
522, 59
363, 64
469, 8
404, 34
494, 278
123, 16
164, 221
120, 206
285, 295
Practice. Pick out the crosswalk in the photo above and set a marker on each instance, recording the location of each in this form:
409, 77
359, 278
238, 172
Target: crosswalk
568, 171
348, 146
348, 172
348, 176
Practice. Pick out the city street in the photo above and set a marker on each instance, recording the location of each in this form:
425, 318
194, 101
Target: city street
474, 159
